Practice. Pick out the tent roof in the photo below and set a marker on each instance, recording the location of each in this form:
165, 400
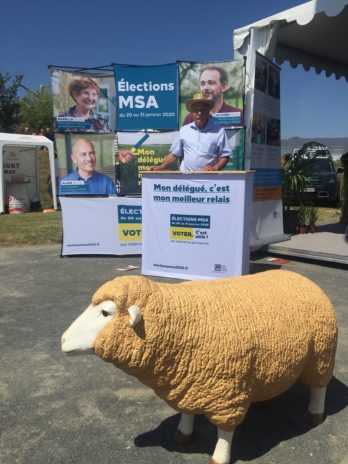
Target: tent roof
312, 34
23, 139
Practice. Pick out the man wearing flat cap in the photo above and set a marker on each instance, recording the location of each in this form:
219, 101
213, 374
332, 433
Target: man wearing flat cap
201, 145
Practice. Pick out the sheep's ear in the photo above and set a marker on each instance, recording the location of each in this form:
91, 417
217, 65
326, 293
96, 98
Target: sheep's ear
135, 315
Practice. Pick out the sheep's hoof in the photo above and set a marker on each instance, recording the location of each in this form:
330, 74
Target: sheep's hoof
313, 419
214, 462
182, 439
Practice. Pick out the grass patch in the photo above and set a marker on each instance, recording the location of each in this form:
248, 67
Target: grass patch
46, 228
44, 176
30, 229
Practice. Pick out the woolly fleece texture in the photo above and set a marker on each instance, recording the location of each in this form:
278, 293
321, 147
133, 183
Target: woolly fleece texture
214, 347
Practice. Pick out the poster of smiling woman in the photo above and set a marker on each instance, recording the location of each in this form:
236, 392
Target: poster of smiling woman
83, 103
222, 82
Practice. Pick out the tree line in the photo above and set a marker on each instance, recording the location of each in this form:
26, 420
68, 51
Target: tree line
32, 113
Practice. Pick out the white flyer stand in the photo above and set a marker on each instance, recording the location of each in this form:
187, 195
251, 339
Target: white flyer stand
196, 225
101, 226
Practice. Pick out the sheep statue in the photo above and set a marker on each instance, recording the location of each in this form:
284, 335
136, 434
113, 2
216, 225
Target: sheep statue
214, 347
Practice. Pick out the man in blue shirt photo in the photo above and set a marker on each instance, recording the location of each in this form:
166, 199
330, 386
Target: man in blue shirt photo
85, 180
200, 145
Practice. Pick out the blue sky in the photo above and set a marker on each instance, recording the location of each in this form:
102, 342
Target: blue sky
87, 33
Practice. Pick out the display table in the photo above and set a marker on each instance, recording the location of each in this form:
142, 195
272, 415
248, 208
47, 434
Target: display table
109, 226
196, 225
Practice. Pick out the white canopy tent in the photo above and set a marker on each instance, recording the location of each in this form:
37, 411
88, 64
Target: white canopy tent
311, 34
18, 143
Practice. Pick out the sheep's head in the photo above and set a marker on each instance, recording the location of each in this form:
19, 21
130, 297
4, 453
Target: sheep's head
110, 299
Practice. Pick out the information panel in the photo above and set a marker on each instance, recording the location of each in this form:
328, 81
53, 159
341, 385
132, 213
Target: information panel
196, 225
109, 226
265, 154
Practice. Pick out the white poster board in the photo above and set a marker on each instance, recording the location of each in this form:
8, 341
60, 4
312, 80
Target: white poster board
109, 226
196, 225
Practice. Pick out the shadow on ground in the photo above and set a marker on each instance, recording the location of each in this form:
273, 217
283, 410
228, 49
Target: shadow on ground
264, 427
336, 228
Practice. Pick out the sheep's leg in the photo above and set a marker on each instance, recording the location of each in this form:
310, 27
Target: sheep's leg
183, 434
315, 412
222, 452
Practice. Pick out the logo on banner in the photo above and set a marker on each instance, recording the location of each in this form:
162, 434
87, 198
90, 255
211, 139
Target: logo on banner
129, 233
185, 227
129, 224
73, 186
220, 268
11, 163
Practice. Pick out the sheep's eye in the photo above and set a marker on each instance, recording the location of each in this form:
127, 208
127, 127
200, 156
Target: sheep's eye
105, 313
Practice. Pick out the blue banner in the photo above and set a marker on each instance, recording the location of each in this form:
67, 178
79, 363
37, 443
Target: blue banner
129, 214
147, 97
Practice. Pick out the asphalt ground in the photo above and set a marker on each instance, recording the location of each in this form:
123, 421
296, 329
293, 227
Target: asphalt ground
81, 410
